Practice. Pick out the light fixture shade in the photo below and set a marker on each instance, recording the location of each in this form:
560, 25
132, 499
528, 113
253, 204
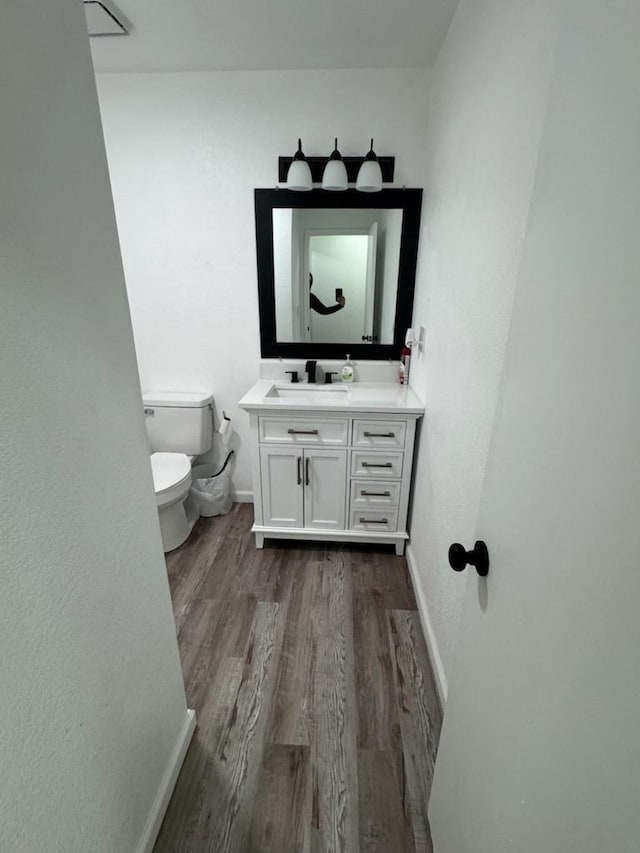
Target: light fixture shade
299, 177
334, 177
299, 174
370, 175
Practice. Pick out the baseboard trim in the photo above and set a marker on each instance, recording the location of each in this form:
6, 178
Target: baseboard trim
243, 497
318, 535
168, 783
427, 627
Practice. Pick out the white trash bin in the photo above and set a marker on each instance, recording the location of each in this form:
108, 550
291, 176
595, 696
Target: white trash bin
211, 489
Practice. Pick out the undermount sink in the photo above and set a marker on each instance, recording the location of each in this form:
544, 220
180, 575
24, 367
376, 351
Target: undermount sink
306, 393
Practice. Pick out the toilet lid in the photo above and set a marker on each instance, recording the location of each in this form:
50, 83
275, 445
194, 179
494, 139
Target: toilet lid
169, 469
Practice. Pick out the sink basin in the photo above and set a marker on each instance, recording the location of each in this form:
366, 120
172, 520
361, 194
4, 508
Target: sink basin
308, 393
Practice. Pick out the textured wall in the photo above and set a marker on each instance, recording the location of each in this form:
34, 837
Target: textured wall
91, 695
540, 747
185, 153
489, 90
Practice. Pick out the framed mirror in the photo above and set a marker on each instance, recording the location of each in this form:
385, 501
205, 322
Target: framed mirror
336, 271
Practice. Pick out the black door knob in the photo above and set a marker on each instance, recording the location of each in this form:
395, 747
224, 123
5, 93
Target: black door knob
459, 559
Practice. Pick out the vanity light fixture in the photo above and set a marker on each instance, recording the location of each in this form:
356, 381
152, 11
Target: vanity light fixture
335, 172
299, 175
370, 175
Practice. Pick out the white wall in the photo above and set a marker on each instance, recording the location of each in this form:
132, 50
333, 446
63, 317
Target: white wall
489, 91
91, 694
540, 748
185, 153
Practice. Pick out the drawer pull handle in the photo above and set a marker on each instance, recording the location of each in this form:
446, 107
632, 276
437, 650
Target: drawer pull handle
377, 464
302, 431
379, 435
374, 521
376, 494
299, 461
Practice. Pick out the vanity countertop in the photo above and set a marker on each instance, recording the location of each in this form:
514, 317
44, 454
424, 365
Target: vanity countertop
268, 395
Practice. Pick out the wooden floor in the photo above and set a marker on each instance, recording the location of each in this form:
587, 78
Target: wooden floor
317, 713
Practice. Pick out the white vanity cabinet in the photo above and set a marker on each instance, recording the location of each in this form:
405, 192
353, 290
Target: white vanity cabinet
303, 487
339, 471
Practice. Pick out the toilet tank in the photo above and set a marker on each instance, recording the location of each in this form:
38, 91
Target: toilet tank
179, 421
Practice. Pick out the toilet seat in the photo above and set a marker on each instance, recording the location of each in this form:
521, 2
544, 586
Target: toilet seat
171, 476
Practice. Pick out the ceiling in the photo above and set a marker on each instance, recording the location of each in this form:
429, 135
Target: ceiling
198, 35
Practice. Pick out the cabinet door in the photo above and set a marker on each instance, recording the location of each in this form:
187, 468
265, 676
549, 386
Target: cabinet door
282, 491
325, 489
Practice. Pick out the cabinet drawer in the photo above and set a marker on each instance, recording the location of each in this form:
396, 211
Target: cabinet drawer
381, 520
303, 431
376, 465
371, 494
379, 434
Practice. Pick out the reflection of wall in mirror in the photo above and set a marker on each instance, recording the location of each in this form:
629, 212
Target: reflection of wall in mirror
389, 236
387, 263
289, 226
282, 273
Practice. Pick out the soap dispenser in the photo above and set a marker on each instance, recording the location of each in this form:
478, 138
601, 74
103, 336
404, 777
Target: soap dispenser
347, 374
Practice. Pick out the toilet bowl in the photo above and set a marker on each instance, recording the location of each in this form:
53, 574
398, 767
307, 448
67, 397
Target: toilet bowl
171, 482
179, 427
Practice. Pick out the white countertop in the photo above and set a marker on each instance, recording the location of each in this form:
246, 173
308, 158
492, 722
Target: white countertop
348, 398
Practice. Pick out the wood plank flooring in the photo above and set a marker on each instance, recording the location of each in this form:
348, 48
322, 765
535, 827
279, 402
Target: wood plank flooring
318, 720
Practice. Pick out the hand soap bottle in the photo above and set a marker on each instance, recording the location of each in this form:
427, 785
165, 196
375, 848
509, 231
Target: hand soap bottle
347, 374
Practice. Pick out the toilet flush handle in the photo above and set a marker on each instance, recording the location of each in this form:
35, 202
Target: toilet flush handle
150, 412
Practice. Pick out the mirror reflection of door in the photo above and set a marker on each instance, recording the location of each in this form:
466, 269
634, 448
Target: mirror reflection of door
338, 264
313, 241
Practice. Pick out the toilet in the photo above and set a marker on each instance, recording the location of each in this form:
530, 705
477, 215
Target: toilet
180, 427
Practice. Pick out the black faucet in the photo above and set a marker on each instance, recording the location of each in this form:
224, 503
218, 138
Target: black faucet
310, 370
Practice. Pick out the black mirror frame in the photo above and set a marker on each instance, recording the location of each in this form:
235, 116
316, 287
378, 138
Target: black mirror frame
266, 200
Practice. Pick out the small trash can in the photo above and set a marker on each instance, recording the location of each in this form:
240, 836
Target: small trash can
211, 489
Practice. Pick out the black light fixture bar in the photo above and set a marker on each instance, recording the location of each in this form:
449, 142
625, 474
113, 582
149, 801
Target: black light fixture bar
317, 164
